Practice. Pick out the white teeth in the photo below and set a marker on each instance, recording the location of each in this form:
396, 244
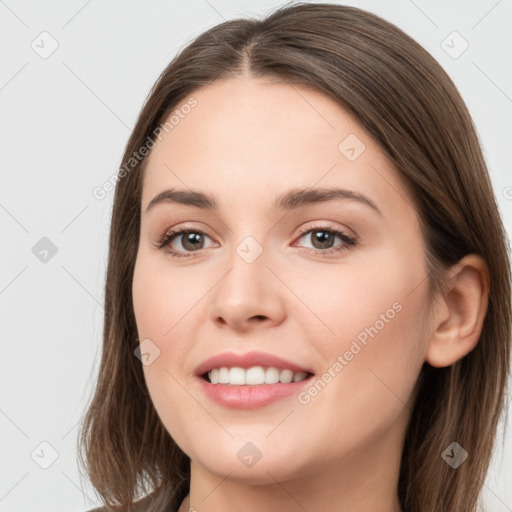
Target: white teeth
272, 376
223, 376
286, 376
236, 376
254, 376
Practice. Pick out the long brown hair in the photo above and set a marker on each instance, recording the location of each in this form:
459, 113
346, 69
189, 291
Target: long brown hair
409, 105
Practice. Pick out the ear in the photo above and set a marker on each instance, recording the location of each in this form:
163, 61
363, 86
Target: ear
459, 313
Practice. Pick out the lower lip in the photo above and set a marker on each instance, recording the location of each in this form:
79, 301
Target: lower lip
251, 397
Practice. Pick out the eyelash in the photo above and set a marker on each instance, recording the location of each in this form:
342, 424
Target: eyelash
349, 242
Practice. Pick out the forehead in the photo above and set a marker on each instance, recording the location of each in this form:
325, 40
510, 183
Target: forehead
252, 139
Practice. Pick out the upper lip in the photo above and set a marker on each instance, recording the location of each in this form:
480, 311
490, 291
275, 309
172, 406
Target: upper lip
247, 360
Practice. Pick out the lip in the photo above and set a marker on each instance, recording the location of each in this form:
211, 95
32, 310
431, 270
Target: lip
247, 360
250, 397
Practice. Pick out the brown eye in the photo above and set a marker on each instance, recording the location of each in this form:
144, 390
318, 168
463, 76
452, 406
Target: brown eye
182, 242
192, 240
323, 240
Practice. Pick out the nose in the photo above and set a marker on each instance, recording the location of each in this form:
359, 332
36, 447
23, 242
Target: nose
248, 296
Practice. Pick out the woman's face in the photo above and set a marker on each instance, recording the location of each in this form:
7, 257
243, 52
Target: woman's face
253, 276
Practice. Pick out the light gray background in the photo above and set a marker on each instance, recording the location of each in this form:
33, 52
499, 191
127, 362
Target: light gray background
64, 122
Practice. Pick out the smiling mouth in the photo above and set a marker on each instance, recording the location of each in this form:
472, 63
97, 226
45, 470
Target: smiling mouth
254, 376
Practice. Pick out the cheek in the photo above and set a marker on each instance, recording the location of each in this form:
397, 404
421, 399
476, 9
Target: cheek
163, 305
162, 296
367, 331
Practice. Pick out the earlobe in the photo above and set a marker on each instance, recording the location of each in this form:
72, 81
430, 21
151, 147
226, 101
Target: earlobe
458, 320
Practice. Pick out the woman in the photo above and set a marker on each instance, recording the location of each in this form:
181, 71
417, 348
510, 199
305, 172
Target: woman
307, 303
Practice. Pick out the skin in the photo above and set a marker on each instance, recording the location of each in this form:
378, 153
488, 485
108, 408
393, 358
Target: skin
247, 141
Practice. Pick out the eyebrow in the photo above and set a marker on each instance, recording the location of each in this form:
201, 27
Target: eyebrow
290, 200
